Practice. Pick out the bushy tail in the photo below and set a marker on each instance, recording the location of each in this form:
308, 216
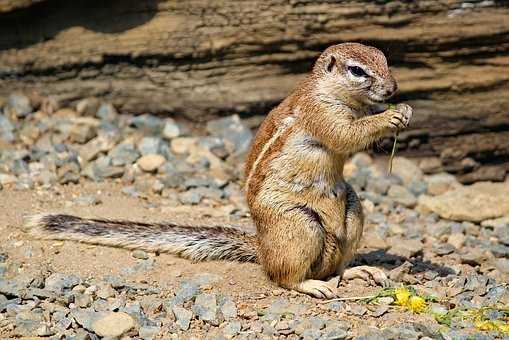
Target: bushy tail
196, 243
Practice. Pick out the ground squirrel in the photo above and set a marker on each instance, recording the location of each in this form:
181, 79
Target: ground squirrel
309, 220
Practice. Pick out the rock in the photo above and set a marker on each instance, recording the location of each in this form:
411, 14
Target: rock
124, 154
192, 196
150, 163
19, 105
473, 257
443, 248
88, 106
149, 332
362, 160
183, 317
227, 306
206, 309
397, 274
502, 264
87, 200
502, 233
140, 254
484, 173
95, 147
406, 249
148, 124
171, 129
150, 145
475, 203
372, 240
457, 240
402, 195
183, 145
430, 165
107, 112
57, 282
441, 183
113, 324
232, 131
407, 170
82, 133
502, 222
187, 290
6, 129
6, 179
231, 329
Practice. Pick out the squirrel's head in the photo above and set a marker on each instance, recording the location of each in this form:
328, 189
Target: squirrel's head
355, 74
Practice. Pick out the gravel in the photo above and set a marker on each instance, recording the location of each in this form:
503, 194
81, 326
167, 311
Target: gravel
430, 232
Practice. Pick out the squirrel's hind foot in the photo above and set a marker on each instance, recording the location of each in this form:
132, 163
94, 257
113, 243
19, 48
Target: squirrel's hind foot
316, 288
367, 273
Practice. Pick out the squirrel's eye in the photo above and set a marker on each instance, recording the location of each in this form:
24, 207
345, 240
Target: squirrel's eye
357, 71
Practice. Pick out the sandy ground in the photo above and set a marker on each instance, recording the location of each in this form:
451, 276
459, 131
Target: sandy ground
245, 283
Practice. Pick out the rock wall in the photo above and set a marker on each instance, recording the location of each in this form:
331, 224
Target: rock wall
202, 58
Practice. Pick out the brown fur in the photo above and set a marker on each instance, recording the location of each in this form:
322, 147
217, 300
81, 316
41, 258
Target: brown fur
309, 220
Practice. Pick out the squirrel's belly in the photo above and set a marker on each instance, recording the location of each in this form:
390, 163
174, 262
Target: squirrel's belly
306, 165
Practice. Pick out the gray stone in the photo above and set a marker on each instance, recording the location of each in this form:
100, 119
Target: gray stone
82, 133
407, 170
439, 229
502, 233
150, 145
227, 306
475, 203
19, 105
58, 282
233, 131
124, 154
311, 334
283, 307
140, 254
205, 307
150, 162
402, 195
443, 248
232, 328
355, 309
149, 332
85, 317
148, 124
187, 290
192, 196
183, 317
6, 129
502, 264
499, 250
87, 106
171, 129
112, 324
87, 200
407, 249
441, 183
107, 112
362, 160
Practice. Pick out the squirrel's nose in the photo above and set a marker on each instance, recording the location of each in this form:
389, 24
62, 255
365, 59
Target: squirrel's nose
391, 89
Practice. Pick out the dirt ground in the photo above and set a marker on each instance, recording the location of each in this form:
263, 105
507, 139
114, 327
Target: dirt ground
245, 283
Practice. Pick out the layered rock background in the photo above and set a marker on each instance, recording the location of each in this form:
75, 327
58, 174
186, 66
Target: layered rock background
200, 59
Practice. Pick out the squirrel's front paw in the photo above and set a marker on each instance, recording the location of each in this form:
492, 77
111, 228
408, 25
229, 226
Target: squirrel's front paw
400, 116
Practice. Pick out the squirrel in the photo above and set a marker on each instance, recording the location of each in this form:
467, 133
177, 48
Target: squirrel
309, 220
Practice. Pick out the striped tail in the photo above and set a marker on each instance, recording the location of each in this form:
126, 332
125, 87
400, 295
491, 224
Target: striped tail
196, 243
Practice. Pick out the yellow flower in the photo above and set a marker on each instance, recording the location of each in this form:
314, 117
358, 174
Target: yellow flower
417, 304
485, 325
402, 295
503, 328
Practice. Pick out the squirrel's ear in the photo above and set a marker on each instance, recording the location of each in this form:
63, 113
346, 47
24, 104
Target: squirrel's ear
331, 63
